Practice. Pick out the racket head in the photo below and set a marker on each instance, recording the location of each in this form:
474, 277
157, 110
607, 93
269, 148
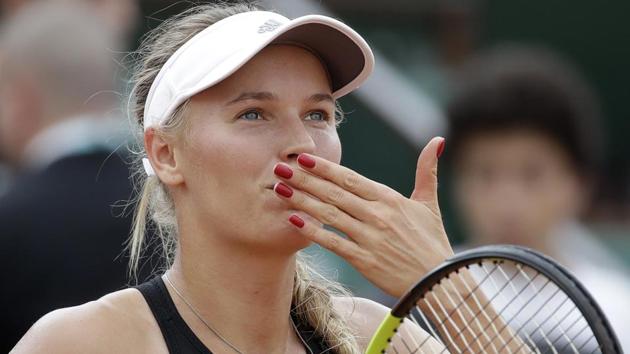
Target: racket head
577, 300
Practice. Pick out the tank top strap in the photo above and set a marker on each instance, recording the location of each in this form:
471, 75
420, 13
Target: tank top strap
178, 336
180, 339
312, 339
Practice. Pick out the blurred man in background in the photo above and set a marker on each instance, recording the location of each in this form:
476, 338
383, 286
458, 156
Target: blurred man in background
4, 170
119, 15
524, 148
59, 232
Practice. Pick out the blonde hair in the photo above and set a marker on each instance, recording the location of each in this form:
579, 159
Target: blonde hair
312, 293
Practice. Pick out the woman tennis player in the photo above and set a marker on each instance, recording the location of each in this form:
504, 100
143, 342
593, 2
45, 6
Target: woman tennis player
237, 109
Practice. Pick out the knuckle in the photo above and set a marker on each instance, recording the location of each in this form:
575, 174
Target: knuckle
332, 243
351, 181
330, 215
380, 223
434, 171
390, 196
302, 180
298, 199
311, 232
335, 195
384, 195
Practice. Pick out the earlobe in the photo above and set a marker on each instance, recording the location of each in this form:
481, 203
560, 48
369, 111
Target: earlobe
161, 154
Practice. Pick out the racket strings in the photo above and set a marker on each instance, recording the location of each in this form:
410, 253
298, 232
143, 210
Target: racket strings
527, 338
476, 339
497, 307
491, 321
463, 301
471, 295
523, 306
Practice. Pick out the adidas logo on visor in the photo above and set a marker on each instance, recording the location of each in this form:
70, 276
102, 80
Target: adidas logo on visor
268, 26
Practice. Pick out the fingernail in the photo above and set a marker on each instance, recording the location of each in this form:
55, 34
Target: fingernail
283, 190
297, 221
440, 149
283, 171
306, 161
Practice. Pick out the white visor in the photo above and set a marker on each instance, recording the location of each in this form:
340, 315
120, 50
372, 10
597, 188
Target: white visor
219, 50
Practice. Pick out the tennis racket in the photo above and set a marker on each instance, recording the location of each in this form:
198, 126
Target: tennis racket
496, 299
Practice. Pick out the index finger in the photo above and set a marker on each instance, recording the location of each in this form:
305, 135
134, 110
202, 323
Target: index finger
341, 176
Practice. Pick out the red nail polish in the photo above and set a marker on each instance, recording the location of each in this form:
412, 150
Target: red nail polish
306, 161
283, 171
297, 221
440, 149
283, 190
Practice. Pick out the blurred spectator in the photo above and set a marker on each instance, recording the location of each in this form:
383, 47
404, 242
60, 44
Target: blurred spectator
4, 178
524, 148
119, 15
4, 171
59, 234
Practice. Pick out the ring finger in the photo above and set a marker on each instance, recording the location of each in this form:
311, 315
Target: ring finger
326, 213
326, 191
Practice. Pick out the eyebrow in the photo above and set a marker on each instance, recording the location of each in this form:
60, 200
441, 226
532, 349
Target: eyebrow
260, 96
268, 96
320, 97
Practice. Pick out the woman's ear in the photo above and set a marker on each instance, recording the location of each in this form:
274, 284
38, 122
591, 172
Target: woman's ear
161, 154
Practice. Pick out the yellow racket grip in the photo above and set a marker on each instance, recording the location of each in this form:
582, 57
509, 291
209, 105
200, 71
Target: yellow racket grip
385, 332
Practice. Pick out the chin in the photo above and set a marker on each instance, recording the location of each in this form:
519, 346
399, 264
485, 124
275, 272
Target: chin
278, 237
279, 232
292, 238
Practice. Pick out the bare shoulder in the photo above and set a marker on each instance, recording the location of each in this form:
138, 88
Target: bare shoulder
363, 315
118, 322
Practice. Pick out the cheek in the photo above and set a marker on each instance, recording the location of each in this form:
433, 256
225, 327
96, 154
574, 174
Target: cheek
221, 160
327, 145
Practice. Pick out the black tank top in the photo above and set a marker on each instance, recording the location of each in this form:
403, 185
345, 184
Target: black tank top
180, 339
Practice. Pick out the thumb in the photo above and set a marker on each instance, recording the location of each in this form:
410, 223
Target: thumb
425, 189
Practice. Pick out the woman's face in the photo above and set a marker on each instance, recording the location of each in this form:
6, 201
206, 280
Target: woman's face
275, 107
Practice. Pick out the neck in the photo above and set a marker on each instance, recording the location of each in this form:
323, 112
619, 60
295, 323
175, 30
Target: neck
244, 295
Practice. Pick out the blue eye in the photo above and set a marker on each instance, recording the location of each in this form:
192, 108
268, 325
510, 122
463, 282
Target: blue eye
316, 116
250, 115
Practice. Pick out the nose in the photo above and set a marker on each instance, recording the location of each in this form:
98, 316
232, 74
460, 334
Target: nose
297, 139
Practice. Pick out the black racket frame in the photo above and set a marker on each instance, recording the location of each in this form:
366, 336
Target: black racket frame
545, 265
